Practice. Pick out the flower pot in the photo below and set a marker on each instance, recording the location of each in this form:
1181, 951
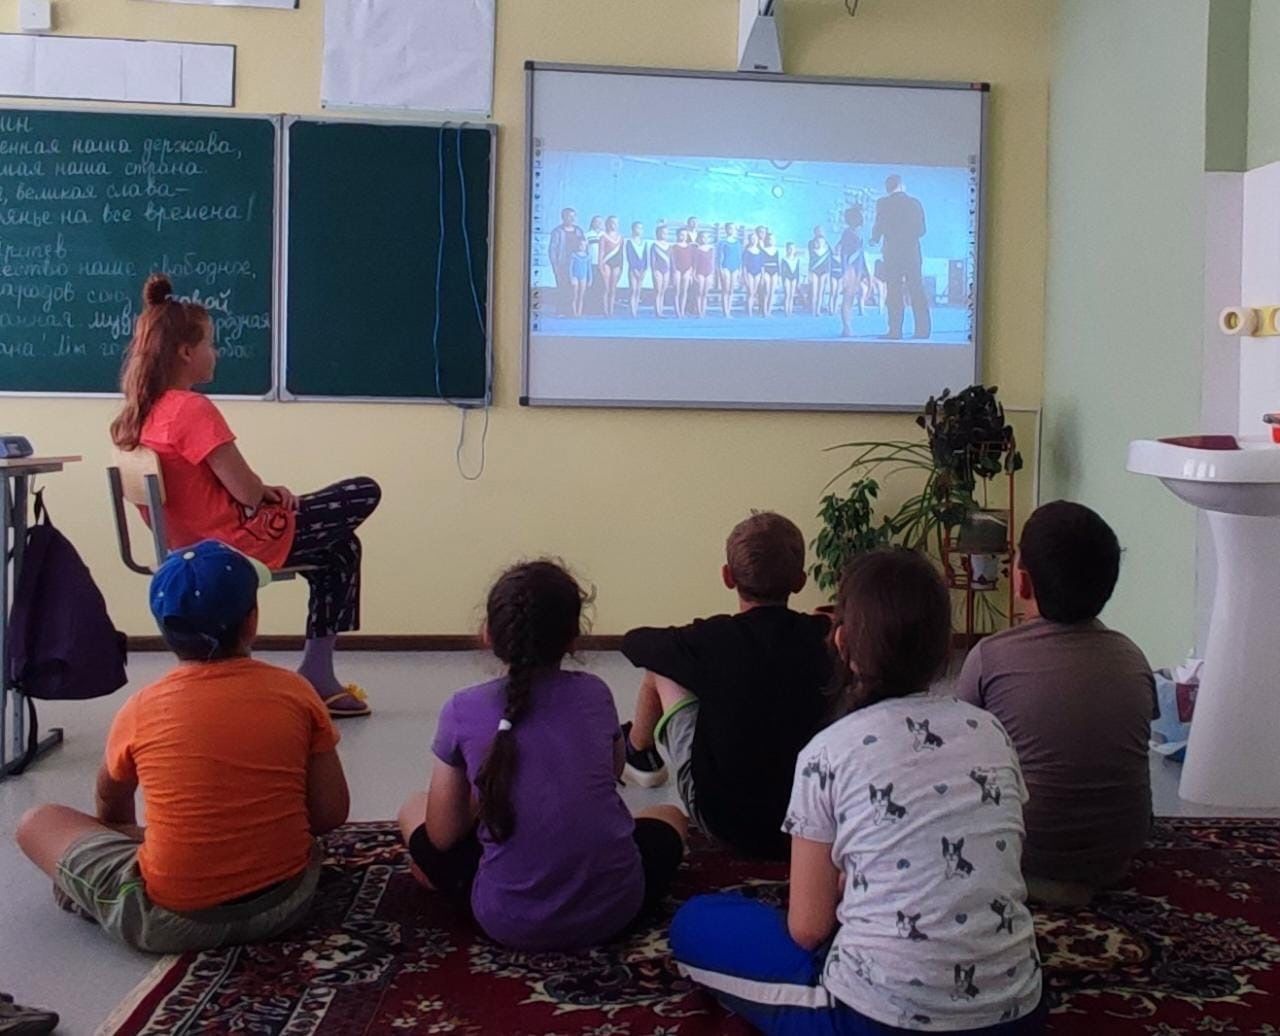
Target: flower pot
984, 571
983, 532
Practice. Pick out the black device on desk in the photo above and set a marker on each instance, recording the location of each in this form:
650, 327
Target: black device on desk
14, 446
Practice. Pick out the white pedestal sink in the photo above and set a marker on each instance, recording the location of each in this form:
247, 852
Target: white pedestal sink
1233, 758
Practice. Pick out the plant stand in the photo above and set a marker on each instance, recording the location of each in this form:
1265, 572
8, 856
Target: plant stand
958, 567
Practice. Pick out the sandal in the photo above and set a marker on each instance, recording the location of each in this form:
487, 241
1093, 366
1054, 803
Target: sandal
356, 693
24, 1021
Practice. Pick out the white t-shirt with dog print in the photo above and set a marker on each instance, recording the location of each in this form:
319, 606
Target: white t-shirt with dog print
921, 801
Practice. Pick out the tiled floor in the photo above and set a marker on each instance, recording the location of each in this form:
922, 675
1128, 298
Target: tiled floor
54, 959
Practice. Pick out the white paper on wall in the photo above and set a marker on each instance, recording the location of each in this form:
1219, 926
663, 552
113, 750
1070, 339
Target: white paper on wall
91, 69
80, 68
154, 74
17, 65
208, 75
283, 4
426, 55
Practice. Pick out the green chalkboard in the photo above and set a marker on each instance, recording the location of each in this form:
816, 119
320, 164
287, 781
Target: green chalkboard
92, 202
387, 262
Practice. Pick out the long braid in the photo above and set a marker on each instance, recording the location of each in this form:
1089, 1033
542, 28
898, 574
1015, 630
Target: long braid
533, 619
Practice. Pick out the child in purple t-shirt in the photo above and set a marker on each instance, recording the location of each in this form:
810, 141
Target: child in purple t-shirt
523, 812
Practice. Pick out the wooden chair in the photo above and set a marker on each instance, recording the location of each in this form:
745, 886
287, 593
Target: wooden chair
135, 477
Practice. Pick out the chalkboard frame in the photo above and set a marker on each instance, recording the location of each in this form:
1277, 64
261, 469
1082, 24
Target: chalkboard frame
273, 391
282, 351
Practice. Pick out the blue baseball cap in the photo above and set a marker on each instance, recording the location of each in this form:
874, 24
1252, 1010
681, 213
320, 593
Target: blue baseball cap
203, 592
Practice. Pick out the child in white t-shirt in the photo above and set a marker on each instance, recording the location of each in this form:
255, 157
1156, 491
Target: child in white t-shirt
907, 908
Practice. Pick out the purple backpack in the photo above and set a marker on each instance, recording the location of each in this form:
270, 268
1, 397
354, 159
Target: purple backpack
62, 644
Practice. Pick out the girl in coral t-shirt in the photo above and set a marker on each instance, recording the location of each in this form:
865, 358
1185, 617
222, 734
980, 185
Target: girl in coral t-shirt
211, 492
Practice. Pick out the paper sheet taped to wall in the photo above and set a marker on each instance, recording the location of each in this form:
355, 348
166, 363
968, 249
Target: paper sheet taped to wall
139, 71
425, 55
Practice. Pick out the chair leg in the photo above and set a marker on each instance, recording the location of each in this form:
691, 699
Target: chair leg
122, 523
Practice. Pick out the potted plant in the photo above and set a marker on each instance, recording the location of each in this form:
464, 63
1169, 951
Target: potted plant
967, 443
848, 528
970, 443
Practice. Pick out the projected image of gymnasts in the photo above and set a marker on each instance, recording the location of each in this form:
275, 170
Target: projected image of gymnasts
752, 271
856, 276
789, 266
682, 265
660, 262
769, 271
610, 263
704, 269
819, 270
580, 274
775, 250
637, 265
729, 263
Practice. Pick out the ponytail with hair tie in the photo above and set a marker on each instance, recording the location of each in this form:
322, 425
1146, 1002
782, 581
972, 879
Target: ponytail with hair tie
152, 359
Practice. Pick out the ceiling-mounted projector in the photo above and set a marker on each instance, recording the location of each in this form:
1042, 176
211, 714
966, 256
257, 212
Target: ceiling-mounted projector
759, 40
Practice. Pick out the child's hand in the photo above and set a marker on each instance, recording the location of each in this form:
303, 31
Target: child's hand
281, 496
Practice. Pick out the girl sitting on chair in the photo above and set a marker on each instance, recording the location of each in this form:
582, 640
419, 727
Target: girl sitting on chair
213, 493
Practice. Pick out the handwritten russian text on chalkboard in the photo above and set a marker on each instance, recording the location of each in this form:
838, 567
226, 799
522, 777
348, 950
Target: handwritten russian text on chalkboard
90, 203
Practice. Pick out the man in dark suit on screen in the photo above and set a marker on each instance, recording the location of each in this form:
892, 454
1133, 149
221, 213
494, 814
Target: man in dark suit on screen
900, 223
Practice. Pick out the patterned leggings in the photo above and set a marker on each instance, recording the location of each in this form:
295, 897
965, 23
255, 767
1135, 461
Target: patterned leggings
326, 538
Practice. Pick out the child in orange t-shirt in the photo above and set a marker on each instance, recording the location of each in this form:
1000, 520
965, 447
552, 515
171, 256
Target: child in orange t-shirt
228, 854
211, 492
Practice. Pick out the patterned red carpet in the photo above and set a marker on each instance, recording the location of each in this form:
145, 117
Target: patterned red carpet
1193, 948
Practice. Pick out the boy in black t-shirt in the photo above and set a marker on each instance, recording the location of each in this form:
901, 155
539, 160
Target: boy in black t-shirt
732, 699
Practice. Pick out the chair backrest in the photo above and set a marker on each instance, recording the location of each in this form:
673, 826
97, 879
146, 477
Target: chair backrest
135, 466
135, 477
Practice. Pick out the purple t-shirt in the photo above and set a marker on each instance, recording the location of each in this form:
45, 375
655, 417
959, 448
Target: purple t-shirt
569, 876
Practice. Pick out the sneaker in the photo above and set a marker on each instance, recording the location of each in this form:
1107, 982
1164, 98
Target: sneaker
16, 1020
645, 768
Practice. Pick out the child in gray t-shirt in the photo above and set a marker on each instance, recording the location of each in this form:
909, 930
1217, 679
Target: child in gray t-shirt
1077, 699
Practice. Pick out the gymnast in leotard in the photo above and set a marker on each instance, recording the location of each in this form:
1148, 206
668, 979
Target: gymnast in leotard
704, 270
729, 258
837, 278
610, 263
769, 274
857, 278
637, 264
580, 274
819, 270
752, 270
790, 268
593, 298
660, 262
682, 264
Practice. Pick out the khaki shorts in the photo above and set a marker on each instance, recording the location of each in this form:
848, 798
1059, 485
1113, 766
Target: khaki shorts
674, 738
100, 875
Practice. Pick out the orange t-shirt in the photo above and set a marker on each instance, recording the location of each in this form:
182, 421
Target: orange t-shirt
221, 751
184, 428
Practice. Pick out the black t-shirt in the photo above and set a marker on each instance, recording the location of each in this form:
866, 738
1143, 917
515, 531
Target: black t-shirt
761, 679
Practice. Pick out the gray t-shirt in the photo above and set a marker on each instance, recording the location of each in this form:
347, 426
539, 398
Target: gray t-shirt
921, 801
1078, 702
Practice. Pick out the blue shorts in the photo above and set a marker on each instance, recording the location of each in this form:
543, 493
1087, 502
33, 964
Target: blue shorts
741, 951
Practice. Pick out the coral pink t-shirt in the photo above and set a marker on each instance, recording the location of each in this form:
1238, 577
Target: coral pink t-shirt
183, 428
